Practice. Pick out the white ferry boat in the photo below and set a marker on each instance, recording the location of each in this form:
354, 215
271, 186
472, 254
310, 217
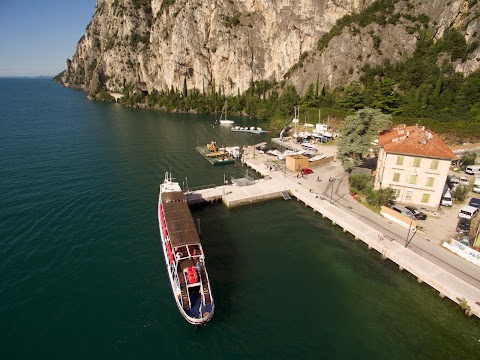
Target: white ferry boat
184, 255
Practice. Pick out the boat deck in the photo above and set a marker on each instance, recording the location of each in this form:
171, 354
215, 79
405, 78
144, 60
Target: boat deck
215, 157
181, 227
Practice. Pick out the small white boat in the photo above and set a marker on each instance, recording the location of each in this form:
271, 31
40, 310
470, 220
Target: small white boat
233, 151
224, 120
309, 146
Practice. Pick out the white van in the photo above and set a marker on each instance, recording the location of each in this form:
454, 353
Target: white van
447, 198
464, 181
468, 212
452, 181
472, 169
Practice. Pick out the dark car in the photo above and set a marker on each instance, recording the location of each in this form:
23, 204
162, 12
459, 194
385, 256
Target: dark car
463, 226
475, 202
419, 215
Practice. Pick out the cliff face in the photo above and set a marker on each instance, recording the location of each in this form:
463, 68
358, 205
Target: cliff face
156, 45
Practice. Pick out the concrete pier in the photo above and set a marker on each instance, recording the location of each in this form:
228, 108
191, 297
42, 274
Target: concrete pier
274, 183
232, 195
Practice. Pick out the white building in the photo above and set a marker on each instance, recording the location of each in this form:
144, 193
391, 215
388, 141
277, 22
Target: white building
415, 163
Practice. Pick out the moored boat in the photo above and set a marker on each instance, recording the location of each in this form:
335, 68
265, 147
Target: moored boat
223, 118
184, 255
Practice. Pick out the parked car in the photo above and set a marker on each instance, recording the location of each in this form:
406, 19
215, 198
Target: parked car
473, 169
475, 202
306, 171
468, 212
452, 181
476, 185
403, 210
463, 239
464, 181
419, 215
447, 197
463, 226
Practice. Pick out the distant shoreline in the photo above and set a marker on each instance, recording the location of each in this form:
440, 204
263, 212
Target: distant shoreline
27, 76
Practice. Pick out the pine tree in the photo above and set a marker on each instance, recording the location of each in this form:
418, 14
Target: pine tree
184, 88
359, 131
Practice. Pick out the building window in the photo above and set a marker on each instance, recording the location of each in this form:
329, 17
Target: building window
396, 176
434, 165
409, 194
425, 198
430, 181
399, 160
413, 179
397, 193
416, 162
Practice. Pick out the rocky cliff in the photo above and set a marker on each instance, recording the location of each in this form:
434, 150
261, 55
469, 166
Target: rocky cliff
153, 45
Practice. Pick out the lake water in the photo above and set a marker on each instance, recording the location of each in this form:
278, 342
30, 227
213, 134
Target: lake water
82, 273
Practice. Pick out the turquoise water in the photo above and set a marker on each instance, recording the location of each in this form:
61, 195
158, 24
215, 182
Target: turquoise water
81, 268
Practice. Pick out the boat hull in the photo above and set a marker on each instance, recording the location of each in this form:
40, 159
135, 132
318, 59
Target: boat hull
191, 299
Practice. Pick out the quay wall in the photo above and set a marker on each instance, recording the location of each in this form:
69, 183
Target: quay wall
230, 203
424, 270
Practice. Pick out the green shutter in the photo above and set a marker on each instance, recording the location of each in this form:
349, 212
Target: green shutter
396, 177
399, 160
430, 181
434, 165
416, 162
425, 198
413, 179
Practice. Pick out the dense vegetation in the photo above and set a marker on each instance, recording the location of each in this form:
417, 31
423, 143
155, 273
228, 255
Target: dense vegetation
261, 100
359, 130
424, 89
362, 187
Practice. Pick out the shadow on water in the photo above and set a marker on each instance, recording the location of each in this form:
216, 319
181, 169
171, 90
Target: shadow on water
221, 256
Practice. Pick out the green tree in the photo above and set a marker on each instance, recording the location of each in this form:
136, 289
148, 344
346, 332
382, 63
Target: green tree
469, 158
358, 132
381, 197
460, 193
352, 97
383, 96
184, 92
287, 100
309, 99
358, 182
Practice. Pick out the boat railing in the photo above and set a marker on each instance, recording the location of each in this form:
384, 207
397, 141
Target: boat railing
207, 297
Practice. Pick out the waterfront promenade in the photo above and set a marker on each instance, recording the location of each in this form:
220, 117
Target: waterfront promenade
326, 192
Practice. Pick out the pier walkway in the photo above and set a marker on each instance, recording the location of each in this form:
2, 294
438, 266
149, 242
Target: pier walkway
459, 282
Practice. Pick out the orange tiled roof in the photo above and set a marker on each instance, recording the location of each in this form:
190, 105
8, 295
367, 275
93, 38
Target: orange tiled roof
415, 140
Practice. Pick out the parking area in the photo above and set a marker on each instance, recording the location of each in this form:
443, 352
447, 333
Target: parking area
440, 224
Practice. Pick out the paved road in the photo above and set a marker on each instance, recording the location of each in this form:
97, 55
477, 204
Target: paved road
338, 191
430, 250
